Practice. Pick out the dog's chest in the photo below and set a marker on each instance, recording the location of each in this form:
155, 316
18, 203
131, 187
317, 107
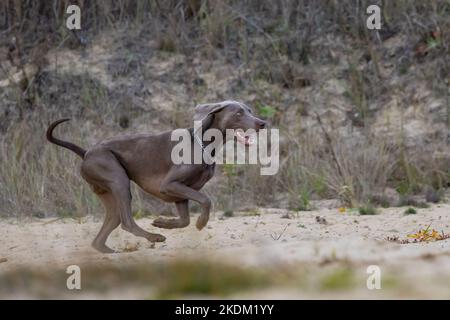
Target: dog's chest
201, 176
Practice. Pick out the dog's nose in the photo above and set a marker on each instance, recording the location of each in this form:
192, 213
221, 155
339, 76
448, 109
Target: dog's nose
262, 124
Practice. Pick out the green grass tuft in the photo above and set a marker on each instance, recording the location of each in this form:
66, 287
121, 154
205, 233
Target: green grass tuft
410, 210
367, 210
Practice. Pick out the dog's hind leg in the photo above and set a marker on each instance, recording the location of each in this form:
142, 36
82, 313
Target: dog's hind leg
181, 222
112, 221
110, 181
122, 195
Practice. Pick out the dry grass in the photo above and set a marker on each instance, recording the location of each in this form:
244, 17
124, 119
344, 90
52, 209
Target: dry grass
38, 180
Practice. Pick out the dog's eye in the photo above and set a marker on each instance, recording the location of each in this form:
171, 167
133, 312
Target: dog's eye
238, 114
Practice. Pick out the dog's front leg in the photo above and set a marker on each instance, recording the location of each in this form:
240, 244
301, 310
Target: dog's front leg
182, 220
177, 189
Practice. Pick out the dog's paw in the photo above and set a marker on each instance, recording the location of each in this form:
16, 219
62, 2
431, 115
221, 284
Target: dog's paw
201, 222
103, 248
154, 237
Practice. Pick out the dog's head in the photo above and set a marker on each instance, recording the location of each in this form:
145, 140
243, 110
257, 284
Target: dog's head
229, 115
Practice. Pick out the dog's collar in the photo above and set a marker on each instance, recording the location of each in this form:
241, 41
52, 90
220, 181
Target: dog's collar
200, 143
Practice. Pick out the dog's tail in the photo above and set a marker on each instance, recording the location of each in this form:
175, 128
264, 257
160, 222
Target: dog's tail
78, 150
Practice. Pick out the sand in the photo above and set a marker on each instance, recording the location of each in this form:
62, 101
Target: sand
266, 238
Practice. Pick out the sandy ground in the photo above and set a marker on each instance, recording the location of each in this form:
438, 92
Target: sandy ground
269, 238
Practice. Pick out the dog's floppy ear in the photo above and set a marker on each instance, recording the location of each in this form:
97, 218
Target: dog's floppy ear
201, 111
205, 112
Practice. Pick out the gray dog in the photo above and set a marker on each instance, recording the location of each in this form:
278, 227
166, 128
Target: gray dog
109, 167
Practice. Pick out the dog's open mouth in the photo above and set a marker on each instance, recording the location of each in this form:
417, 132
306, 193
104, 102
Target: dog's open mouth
244, 138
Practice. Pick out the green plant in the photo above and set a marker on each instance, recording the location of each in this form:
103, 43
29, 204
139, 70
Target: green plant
433, 43
367, 209
410, 210
303, 203
228, 213
267, 111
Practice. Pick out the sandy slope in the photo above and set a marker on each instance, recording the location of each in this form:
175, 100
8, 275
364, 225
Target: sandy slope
268, 239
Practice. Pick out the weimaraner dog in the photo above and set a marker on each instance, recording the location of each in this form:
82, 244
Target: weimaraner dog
109, 166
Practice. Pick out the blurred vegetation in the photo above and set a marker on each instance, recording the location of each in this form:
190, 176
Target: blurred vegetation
192, 279
183, 279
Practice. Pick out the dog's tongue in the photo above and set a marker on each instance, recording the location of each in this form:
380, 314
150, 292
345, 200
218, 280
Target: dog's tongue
244, 139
